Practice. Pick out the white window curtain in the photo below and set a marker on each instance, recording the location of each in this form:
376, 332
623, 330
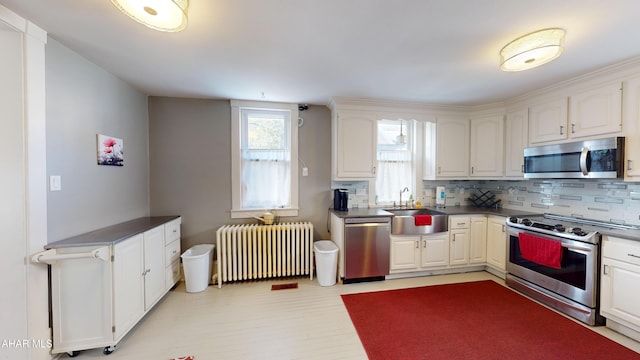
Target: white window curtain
394, 173
395, 161
266, 179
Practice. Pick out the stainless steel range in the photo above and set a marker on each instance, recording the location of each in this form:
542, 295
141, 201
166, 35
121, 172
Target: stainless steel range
556, 261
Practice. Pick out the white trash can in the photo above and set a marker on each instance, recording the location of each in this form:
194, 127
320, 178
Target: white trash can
326, 262
198, 267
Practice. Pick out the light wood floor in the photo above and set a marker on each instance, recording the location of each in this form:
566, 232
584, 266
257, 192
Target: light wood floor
249, 321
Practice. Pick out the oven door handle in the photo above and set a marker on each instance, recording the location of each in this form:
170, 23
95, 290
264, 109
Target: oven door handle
583, 161
573, 247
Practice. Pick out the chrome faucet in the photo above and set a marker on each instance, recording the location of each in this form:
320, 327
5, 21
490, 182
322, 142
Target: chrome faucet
406, 189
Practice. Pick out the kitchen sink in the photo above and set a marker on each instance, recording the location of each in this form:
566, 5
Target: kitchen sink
403, 222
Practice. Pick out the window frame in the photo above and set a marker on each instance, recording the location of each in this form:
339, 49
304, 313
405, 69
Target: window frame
237, 211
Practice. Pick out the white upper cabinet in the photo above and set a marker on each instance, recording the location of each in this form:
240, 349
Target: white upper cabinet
487, 147
452, 147
548, 121
517, 131
596, 111
589, 113
354, 145
632, 124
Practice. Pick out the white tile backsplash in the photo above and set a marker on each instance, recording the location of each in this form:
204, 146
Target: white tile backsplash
604, 200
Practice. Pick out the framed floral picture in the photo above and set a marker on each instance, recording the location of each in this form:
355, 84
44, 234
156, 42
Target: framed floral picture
110, 151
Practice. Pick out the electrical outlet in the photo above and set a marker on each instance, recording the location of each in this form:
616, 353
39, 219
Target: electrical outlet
55, 183
305, 171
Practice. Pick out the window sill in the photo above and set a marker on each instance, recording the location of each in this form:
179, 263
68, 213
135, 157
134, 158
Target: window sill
253, 213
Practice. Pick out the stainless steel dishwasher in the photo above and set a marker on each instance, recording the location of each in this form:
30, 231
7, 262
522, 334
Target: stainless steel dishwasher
366, 248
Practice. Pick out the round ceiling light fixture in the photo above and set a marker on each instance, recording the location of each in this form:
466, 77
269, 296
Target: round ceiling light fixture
531, 50
161, 15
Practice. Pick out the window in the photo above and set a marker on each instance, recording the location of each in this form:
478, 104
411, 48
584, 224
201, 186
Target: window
264, 158
395, 161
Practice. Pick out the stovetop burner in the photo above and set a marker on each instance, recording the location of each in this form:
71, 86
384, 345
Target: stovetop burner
570, 228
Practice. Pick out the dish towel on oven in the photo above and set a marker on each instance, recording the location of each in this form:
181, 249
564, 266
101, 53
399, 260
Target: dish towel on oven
540, 251
422, 220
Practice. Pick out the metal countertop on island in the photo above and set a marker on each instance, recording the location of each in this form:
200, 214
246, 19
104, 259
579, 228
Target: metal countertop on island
112, 234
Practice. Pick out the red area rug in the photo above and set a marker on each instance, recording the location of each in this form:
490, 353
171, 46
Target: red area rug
475, 320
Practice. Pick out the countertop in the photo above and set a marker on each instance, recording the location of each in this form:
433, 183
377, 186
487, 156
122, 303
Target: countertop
631, 234
111, 235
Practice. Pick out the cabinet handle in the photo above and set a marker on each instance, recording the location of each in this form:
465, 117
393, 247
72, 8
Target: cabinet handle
424, 244
439, 169
634, 256
417, 244
472, 169
629, 164
503, 228
522, 168
454, 237
573, 128
373, 170
605, 269
561, 129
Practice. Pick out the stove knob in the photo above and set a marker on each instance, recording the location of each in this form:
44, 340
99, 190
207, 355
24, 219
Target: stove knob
559, 228
513, 220
578, 231
526, 222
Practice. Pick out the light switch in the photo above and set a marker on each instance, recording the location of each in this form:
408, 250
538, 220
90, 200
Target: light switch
55, 183
305, 171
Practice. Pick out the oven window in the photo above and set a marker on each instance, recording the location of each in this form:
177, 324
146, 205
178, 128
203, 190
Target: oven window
573, 269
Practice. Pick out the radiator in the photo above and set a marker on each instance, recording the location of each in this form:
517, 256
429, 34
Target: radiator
248, 252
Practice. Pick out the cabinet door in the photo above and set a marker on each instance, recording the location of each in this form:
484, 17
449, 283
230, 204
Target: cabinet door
487, 146
355, 147
404, 253
620, 292
548, 121
435, 250
496, 243
459, 247
128, 284
478, 240
632, 129
452, 148
154, 271
596, 112
517, 130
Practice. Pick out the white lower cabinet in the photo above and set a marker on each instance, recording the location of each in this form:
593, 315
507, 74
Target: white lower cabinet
620, 276
497, 244
478, 240
459, 235
435, 250
95, 302
415, 253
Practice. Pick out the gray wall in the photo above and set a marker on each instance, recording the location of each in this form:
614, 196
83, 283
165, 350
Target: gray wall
190, 165
84, 100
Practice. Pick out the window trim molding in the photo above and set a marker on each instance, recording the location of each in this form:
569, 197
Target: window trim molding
237, 212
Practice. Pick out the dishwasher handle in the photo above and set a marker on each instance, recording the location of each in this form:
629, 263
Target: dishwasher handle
382, 221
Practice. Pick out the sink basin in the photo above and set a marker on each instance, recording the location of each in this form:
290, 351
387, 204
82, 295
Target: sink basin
403, 222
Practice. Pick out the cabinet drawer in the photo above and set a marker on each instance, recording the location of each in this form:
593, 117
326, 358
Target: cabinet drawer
172, 252
172, 275
622, 250
459, 222
172, 230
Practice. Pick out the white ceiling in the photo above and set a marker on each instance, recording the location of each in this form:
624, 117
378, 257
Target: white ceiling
306, 51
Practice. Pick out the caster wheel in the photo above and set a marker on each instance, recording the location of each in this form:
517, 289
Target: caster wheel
73, 353
108, 350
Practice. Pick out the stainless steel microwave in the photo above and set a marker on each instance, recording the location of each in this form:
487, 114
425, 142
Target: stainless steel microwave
589, 159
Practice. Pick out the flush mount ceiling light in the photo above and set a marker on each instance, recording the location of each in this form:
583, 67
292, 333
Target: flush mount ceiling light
532, 50
161, 15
